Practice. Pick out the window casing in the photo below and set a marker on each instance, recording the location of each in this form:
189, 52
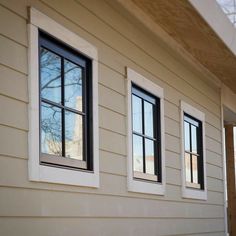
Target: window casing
193, 152
43, 165
193, 158
65, 105
146, 135
142, 91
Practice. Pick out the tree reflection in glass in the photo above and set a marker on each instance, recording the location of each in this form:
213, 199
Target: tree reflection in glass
51, 139
73, 85
50, 75
54, 110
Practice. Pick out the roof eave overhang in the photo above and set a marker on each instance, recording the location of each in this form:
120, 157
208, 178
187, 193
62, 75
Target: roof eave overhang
218, 21
217, 59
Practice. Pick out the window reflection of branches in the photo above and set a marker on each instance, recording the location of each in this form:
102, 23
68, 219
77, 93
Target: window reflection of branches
51, 129
51, 93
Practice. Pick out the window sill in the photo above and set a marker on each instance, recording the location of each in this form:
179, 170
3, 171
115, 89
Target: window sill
52, 174
146, 186
193, 185
194, 193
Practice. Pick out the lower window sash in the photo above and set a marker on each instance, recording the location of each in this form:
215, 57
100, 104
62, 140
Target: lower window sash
62, 161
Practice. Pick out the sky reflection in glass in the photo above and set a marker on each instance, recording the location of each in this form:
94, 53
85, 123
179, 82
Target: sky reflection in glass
73, 85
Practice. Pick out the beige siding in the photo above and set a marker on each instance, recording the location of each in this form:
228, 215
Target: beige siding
28, 208
13, 84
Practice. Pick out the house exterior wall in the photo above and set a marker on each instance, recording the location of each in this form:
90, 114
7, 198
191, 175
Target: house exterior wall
33, 208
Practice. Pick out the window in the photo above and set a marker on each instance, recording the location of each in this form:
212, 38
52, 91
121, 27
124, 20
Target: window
65, 105
146, 160
193, 158
63, 114
193, 152
146, 135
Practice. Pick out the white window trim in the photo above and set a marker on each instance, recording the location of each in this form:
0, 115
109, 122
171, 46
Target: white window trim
191, 192
39, 172
135, 185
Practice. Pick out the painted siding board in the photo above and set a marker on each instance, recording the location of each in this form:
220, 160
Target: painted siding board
15, 28
58, 204
14, 113
13, 142
112, 100
112, 185
113, 163
112, 142
123, 226
13, 55
111, 79
111, 120
13, 84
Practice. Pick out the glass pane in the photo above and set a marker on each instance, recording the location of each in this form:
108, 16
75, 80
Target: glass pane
195, 168
191, 121
148, 118
137, 113
138, 153
149, 156
51, 140
73, 86
194, 138
187, 167
186, 136
50, 75
74, 135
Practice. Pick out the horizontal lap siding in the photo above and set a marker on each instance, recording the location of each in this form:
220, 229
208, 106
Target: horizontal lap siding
13, 113
59, 204
28, 208
107, 226
111, 184
13, 84
13, 55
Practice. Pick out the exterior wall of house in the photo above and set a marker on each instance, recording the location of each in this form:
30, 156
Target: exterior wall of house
31, 208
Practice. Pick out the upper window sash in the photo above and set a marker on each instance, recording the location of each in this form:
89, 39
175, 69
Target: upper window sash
60, 48
191, 120
143, 94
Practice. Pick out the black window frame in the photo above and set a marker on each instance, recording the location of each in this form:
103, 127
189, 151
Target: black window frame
192, 121
68, 53
155, 101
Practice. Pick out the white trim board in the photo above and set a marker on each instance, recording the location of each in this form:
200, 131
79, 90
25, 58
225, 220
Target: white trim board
190, 192
39, 172
135, 185
217, 20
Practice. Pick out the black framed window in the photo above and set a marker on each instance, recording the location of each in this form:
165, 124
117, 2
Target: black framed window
146, 135
65, 105
193, 152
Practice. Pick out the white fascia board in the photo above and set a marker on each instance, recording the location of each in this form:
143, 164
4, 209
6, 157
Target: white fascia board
217, 20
